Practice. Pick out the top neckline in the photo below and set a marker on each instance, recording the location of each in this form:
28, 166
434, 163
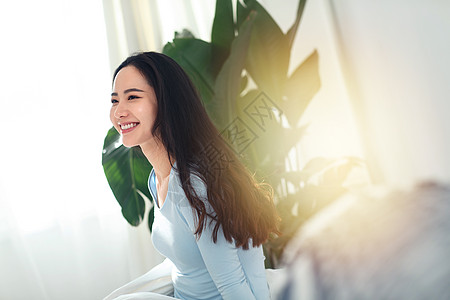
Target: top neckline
154, 192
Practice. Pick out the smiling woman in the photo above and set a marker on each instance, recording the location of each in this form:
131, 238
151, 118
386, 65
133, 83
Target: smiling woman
211, 216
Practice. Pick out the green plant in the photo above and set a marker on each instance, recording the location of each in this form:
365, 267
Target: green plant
242, 76
127, 171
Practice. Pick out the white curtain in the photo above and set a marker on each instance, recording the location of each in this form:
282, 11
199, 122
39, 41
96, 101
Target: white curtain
62, 235
147, 25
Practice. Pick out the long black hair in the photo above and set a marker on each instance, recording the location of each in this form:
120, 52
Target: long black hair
242, 207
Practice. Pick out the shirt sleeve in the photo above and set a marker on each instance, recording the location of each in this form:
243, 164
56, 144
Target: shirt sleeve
221, 260
224, 266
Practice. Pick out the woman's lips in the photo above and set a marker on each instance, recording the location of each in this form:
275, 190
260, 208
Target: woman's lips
128, 127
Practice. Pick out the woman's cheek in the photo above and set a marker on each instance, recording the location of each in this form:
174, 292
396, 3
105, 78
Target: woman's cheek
113, 120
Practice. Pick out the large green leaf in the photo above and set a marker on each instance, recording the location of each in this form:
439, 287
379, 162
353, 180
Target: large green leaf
194, 56
268, 54
151, 217
242, 13
127, 171
222, 34
293, 30
301, 87
262, 115
228, 83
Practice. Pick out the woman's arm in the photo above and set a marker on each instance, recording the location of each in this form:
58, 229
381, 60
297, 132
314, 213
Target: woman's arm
228, 266
224, 266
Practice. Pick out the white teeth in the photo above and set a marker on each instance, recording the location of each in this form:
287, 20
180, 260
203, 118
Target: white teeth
128, 126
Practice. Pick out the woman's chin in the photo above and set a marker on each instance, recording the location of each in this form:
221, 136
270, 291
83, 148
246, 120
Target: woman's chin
129, 144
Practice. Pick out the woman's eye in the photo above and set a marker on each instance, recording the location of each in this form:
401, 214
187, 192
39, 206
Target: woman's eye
114, 101
131, 97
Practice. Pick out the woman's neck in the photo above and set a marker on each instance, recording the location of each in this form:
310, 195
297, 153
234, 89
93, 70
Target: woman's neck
156, 154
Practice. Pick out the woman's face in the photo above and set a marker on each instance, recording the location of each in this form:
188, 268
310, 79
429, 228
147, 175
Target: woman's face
134, 107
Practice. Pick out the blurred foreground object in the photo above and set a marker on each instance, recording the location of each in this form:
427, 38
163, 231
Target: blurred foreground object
371, 247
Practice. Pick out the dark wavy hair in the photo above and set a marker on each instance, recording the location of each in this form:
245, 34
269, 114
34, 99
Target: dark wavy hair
242, 207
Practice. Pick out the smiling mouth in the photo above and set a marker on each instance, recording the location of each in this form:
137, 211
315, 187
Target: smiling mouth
128, 127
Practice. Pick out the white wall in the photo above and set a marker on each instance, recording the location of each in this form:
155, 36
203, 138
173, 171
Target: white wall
395, 55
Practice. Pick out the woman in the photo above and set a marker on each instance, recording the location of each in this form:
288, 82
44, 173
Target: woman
211, 217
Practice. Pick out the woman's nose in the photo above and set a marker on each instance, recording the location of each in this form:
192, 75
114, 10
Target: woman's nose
120, 112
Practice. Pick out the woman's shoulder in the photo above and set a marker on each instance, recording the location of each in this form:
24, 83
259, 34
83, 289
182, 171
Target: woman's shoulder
178, 196
198, 185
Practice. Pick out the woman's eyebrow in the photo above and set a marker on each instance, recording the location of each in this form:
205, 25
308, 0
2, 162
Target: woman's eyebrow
133, 90
128, 91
